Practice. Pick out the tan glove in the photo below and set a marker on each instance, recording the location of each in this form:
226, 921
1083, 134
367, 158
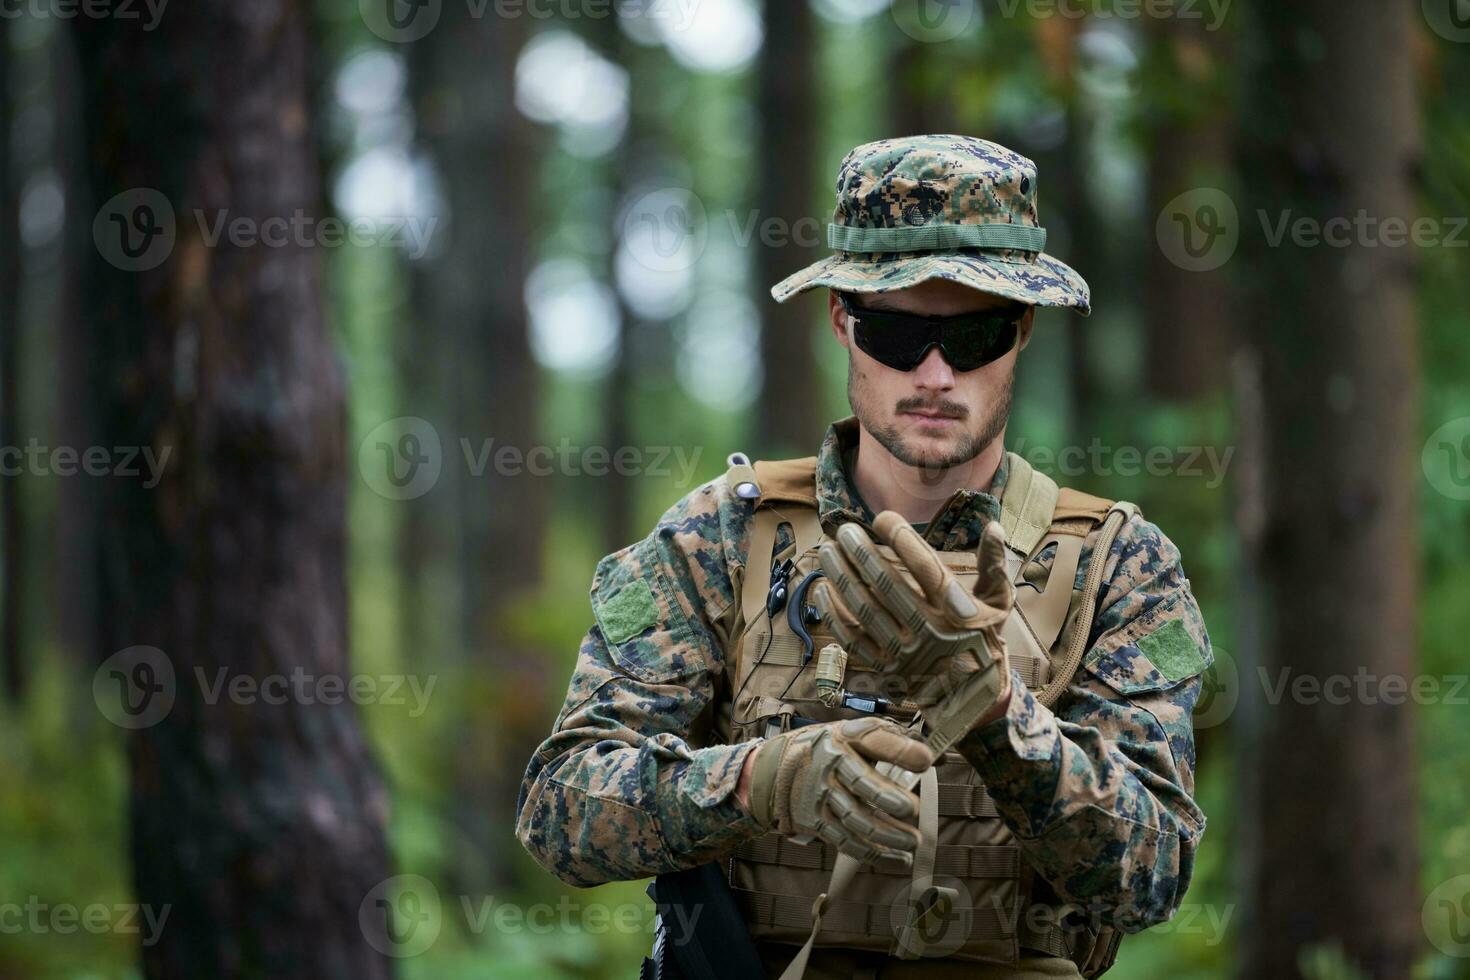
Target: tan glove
821, 780
940, 628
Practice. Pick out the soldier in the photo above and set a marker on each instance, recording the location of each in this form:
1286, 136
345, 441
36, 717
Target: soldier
915, 710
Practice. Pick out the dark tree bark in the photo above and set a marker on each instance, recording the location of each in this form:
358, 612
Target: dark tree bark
484, 150
1333, 130
790, 413
618, 500
916, 106
260, 825
11, 539
1188, 315
76, 566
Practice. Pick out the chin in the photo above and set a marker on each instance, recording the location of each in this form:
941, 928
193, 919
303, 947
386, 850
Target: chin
929, 450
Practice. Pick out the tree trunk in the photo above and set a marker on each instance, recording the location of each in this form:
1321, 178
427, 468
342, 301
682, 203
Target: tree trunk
1333, 131
915, 106
1187, 314
11, 539
257, 820
76, 567
789, 412
484, 152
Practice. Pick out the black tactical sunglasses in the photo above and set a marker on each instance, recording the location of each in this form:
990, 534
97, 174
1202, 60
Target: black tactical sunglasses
966, 341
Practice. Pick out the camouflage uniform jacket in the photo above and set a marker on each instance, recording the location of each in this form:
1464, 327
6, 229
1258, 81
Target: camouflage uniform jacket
1098, 792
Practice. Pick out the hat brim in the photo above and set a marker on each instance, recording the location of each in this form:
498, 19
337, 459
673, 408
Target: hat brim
1045, 282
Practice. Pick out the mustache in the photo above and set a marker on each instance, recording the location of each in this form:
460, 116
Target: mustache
938, 406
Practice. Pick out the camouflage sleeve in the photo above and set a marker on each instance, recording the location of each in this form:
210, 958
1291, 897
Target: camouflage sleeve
1099, 792
620, 790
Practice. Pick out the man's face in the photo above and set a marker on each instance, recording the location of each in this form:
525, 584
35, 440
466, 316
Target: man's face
933, 416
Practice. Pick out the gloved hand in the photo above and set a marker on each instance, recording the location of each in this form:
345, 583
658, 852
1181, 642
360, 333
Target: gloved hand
940, 628
821, 780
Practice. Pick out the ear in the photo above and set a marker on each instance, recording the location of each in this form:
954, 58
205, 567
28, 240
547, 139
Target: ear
1026, 326
837, 317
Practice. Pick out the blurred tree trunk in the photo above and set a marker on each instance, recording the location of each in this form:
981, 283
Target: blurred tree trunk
1092, 249
427, 538
1333, 131
484, 151
916, 105
1187, 314
1070, 216
76, 567
259, 825
789, 419
11, 539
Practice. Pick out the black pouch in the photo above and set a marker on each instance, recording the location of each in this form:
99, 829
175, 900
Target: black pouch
701, 933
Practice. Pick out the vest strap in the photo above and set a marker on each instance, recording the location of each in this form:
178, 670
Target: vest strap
1046, 611
926, 902
956, 860
1120, 513
1026, 505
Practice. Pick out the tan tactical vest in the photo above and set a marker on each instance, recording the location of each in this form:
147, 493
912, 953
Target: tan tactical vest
971, 894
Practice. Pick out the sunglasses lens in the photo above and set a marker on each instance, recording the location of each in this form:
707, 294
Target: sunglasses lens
899, 342
977, 342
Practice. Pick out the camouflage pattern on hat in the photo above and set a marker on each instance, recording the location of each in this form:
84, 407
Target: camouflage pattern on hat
941, 183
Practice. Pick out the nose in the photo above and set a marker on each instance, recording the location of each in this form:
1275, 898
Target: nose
934, 372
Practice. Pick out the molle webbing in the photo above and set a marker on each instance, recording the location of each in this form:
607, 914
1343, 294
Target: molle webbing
778, 881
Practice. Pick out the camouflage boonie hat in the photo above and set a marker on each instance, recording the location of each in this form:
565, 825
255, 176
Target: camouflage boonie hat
939, 207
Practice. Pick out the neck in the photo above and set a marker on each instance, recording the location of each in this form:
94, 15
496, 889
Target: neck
914, 492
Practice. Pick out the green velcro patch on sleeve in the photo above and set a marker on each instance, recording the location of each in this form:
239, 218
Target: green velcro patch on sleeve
629, 612
1173, 651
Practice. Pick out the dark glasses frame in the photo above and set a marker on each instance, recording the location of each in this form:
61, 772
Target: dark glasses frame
966, 341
